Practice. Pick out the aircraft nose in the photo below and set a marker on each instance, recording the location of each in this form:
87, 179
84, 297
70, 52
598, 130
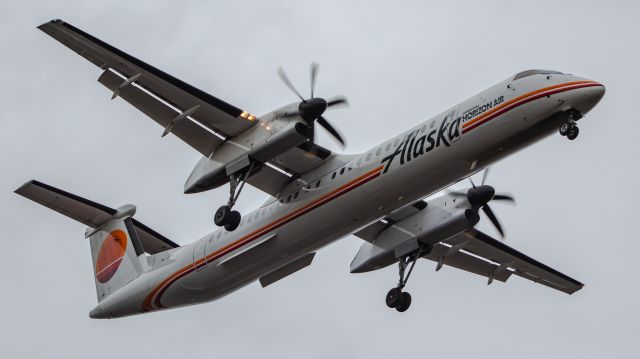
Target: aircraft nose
586, 98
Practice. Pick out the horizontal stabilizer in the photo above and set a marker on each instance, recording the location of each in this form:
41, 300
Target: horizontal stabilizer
92, 214
89, 213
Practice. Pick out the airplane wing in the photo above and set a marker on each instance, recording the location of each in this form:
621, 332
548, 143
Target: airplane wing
476, 252
90, 213
197, 118
486, 256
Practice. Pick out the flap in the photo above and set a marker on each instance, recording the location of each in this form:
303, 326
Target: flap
123, 71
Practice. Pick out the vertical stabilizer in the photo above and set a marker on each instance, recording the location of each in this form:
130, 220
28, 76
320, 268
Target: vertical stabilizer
118, 241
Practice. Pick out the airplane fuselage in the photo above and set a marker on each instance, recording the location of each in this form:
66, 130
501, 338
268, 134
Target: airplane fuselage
349, 192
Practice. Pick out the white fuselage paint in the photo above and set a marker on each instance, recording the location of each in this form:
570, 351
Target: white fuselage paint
366, 189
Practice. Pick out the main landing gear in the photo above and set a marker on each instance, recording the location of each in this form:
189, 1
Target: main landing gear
396, 298
569, 127
225, 216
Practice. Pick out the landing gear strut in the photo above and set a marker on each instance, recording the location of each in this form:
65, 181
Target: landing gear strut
569, 127
396, 298
225, 216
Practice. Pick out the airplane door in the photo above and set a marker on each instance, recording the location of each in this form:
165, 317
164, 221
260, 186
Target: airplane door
199, 253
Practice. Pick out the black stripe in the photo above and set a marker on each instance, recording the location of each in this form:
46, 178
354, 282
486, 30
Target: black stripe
72, 196
215, 102
500, 246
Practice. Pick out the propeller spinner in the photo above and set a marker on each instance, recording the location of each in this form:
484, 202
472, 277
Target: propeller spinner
312, 109
480, 196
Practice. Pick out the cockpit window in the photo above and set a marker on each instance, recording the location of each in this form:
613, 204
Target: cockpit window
536, 72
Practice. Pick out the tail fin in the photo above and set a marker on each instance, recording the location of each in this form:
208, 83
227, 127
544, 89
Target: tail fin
115, 250
118, 242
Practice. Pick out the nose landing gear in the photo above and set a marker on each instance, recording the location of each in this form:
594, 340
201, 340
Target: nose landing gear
569, 127
396, 298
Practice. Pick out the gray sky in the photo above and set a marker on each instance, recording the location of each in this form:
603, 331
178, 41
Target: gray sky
398, 64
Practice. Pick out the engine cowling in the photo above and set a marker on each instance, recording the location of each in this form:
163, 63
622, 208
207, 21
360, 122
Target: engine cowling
432, 225
260, 144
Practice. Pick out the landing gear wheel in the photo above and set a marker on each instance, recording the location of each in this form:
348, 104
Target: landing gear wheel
233, 221
222, 215
405, 302
393, 298
565, 128
573, 133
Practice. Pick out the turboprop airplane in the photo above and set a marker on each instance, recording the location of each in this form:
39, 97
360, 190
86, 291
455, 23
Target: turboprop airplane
316, 196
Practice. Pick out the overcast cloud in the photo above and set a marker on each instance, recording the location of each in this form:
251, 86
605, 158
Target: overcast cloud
399, 63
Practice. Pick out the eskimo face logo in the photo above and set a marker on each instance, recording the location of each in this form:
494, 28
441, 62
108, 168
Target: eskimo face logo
110, 255
414, 146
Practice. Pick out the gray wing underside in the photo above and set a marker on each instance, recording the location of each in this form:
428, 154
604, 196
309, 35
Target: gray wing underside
90, 213
480, 254
206, 120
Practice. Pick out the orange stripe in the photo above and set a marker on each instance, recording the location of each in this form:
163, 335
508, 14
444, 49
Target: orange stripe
521, 97
147, 304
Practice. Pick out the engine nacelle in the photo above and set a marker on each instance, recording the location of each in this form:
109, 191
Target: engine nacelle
260, 144
432, 225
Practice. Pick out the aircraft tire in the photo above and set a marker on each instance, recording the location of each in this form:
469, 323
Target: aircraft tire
573, 133
564, 129
233, 221
405, 302
222, 216
393, 297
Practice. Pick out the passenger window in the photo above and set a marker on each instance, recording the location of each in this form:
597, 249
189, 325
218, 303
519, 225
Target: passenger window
386, 149
333, 175
318, 184
369, 156
359, 161
378, 152
288, 198
295, 195
342, 171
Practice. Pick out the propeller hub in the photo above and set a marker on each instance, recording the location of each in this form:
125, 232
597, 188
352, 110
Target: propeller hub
312, 108
480, 195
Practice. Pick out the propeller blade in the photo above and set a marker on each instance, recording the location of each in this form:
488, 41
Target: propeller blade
339, 100
472, 184
492, 217
504, 197
327, 126
286, 81
314, 74
484, 175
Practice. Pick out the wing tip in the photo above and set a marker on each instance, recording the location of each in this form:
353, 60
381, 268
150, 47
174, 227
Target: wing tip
20, 190
44, 26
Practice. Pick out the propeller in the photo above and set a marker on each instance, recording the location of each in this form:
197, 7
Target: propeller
480, 196
312, 109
